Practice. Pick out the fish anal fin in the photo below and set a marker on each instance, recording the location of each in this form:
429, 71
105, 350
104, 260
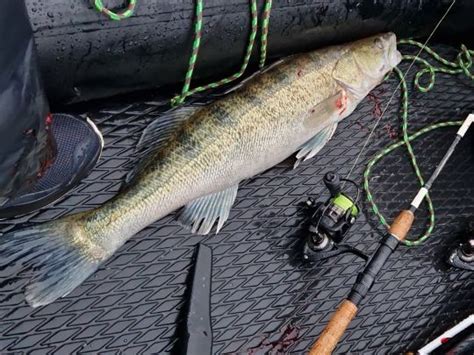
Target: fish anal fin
201, 214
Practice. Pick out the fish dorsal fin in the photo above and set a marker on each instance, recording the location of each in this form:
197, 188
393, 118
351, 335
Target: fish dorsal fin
158, 133
243, 82
201, 214
315, 144
164, 126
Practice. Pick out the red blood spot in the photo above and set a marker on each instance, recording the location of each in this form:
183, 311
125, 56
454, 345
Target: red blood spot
288, 337
362, 127
444, 340
341, 103
376, 111
44, 166
300, 70
50, 154
49, 119
392, 133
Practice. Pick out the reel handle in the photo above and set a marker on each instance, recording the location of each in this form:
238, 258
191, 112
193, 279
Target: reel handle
335, 329
332, 181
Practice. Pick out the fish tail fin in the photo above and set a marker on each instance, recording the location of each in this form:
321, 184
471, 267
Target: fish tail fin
53, 262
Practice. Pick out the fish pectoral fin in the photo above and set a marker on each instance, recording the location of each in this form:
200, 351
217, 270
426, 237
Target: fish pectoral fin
315, 144
201, 214
332, 109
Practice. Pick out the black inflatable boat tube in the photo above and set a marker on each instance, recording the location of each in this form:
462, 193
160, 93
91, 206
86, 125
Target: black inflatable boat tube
84, 55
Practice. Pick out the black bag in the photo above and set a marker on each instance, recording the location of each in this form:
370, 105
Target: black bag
26, 145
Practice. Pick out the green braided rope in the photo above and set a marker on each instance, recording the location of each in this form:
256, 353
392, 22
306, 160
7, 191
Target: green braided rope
384, 152
179, 99
413, 159
263, 40
186, 91
462, 65
129, 10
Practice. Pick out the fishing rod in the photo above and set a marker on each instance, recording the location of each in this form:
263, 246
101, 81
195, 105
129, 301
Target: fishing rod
397, 232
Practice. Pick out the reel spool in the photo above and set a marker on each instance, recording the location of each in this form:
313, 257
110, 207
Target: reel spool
332, 220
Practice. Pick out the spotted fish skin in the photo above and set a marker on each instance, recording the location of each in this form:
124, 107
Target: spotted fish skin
248, 131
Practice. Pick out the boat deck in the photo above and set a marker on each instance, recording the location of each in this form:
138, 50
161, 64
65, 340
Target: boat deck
264, 298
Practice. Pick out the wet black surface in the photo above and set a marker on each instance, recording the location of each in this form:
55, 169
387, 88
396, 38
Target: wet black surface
263, 297
84, 55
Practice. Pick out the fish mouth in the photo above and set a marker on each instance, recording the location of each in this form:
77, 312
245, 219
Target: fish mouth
393, 56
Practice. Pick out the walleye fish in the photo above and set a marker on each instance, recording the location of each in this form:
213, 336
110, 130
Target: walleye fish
201, 156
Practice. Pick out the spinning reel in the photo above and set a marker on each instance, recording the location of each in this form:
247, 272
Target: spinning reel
331, 220
463, 256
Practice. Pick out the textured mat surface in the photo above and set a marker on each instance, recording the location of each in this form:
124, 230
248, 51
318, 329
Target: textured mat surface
263, 297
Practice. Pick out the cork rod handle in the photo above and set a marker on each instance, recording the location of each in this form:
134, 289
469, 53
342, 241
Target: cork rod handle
336, 327
401, 225
347, 310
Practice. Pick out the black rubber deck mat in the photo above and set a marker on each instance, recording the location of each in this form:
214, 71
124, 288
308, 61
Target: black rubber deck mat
263, 297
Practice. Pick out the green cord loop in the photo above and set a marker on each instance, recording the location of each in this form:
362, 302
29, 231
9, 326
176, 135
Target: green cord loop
129, 10
462, 65
186, 91
387, 150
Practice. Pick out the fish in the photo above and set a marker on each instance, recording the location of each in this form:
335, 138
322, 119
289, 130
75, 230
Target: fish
201, 154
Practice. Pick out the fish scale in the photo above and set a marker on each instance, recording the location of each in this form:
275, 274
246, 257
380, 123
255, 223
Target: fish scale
202, 156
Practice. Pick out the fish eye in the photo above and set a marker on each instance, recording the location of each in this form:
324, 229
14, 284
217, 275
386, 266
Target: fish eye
378, 43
